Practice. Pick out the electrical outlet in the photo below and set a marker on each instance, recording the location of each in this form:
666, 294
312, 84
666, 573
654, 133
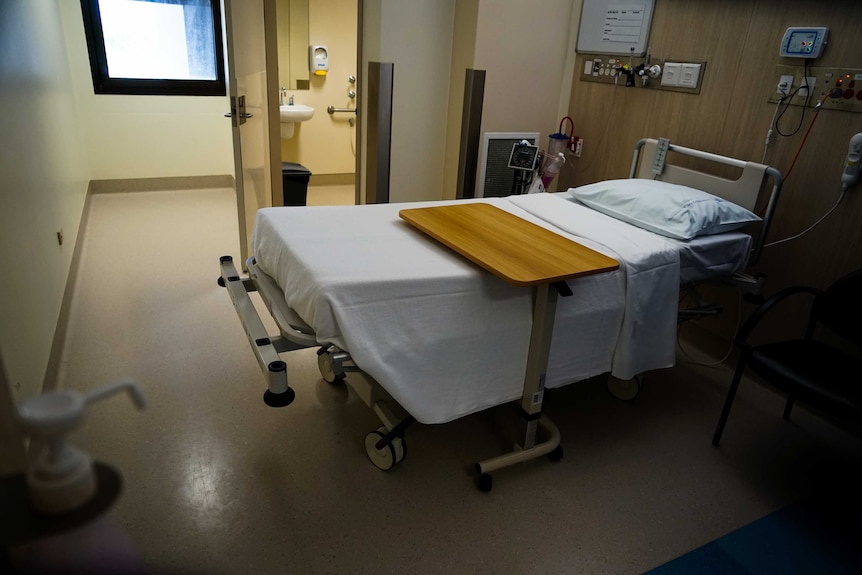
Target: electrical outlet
671, 74
811, 81
785, 83
689, 75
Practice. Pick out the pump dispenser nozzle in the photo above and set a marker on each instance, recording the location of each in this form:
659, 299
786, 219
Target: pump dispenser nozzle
60, 477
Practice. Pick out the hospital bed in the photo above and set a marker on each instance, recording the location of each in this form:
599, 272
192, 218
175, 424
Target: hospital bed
422, 334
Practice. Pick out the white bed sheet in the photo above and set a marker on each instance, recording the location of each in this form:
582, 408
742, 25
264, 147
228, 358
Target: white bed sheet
710, 257
705, 257
446, 338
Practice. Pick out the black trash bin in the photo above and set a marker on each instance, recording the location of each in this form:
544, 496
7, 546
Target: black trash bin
294, 183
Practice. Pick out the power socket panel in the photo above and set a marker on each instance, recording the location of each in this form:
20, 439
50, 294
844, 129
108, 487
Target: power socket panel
838, 88
785, 84
805, 85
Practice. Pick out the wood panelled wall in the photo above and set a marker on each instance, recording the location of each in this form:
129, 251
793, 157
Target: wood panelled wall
739, 40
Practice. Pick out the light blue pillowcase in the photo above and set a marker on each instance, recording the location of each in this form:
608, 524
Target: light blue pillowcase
671, 210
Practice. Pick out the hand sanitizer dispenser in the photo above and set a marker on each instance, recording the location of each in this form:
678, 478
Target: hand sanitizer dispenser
60, 477
318, 60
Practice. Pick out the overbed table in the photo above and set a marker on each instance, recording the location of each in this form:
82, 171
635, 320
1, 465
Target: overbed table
522, 254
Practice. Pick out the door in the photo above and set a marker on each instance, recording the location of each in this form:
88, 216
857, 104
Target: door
252, 91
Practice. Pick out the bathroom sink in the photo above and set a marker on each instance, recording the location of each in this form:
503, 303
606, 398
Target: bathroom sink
290, 114
295, 113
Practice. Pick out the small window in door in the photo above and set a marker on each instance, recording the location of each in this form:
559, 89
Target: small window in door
155, 47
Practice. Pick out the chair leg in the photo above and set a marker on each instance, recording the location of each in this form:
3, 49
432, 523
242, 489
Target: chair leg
731, 394
787, 407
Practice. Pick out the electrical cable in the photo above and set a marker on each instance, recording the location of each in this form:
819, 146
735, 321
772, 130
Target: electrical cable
790, 99
771, 129
729, 351
812, 226
819, 107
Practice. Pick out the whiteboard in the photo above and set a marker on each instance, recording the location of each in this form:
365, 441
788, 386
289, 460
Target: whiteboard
615, 26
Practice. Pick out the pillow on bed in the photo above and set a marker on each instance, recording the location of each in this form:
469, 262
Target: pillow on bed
671, 210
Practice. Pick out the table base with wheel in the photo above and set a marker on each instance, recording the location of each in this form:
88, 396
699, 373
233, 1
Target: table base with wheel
523, 254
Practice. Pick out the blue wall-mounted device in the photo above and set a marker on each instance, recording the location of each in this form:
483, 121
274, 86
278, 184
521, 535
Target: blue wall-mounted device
803, 42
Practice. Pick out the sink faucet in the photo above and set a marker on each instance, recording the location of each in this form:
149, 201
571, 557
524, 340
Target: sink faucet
281, 94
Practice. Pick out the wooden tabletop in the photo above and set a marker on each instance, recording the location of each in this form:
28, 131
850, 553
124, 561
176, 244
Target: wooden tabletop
512, 248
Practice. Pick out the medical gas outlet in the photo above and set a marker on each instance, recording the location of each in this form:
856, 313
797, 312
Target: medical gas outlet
686, 77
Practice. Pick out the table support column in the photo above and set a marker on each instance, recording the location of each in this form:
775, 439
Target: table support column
544, 309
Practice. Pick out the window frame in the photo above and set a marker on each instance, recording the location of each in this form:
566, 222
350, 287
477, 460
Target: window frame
104, 84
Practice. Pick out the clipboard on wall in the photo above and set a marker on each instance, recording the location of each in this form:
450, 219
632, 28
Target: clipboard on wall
615, 27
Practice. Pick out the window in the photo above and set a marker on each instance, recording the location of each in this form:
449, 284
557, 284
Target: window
156, 47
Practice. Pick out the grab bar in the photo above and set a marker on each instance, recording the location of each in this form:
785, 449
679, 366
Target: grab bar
333, 109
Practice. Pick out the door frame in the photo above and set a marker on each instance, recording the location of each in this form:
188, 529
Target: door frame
359, 170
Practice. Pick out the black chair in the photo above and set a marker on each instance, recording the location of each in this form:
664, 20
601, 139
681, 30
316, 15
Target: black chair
809, 370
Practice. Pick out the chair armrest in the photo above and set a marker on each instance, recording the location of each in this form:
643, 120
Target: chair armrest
766, 306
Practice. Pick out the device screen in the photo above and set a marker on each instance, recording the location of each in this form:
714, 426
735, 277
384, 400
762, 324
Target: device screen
801, 42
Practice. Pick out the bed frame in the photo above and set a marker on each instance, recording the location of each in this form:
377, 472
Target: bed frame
386, 446
747, 191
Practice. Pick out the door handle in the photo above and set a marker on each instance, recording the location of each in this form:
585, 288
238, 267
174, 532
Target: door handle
238, 105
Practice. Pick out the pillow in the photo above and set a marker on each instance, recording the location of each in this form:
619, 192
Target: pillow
671, 210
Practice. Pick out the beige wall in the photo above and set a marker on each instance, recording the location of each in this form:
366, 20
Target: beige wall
12, 458
739, 41
463, 56
527, 72
326, 143
45, 172
57, 137
432, 43
144, 136
417, 36
418, 39
522, 46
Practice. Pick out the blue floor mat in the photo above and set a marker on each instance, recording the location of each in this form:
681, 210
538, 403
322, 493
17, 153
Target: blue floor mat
815, 536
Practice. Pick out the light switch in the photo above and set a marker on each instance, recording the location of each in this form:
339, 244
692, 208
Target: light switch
689, 75
671, 74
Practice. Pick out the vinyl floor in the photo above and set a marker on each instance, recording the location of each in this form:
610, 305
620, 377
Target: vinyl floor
217, 482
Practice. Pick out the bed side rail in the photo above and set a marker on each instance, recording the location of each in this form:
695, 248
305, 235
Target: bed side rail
265, 348
744, 191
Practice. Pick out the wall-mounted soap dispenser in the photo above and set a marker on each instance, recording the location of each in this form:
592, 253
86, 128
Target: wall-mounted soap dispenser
318, 60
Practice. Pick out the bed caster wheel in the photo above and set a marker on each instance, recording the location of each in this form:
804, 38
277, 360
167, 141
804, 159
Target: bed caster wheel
221, 281
485, 482
387, 457
556, 454
324, 364
625, 389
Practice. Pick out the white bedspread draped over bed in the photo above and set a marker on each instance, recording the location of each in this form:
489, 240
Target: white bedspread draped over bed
444, 337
